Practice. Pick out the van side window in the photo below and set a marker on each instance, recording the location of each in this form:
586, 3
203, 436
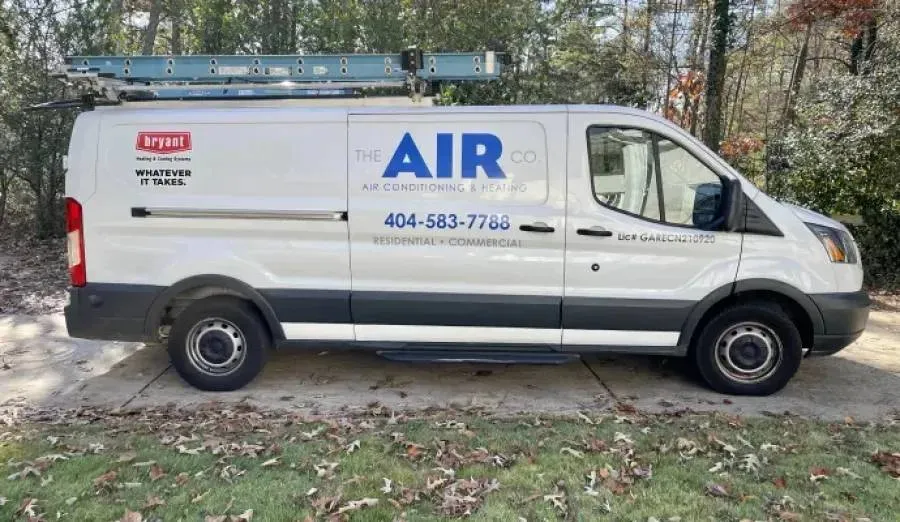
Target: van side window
646, 175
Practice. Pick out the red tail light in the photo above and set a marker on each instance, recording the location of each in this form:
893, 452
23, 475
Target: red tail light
75, 236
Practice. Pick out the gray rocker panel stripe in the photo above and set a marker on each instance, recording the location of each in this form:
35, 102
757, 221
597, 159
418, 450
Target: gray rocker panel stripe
490, 310
654, 315
441, 309
419, 309
309, 306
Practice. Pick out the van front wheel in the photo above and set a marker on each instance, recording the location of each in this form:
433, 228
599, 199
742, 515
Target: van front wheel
219, 343
749, 349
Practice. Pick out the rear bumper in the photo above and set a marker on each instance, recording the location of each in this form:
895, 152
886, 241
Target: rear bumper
109, 311
845, 315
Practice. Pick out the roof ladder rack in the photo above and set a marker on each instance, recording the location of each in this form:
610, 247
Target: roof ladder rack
113, 79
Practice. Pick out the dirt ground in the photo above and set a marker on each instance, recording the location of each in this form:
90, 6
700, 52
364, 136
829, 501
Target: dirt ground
40, 366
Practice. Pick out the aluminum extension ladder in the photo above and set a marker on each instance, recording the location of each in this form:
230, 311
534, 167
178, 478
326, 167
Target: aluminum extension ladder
105, 80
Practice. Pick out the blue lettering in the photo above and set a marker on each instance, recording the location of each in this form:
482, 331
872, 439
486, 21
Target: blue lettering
488, 159
407, 158
444, 155
478, 150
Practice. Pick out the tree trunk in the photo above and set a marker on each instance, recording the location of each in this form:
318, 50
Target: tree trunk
295, 12
176, 11
114, 27
645, 55
715, 77
5, 182
738, 102
871, 33
787, 115
856, 47
699, 51
648, 27
673, 61
152, 25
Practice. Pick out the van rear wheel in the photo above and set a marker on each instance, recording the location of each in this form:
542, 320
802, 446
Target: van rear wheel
219, 343
749, 349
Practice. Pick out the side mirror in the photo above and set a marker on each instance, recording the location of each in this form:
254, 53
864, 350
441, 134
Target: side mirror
707, 211
733, 205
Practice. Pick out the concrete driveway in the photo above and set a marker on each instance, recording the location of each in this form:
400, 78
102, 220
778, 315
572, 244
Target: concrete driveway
41, 366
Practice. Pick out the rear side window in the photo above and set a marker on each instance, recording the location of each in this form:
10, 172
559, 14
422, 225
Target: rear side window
646, 175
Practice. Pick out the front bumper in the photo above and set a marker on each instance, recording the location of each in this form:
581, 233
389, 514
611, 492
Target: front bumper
845, 315
114, 312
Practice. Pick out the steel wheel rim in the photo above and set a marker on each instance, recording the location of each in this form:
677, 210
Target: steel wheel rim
748, 352
216, 346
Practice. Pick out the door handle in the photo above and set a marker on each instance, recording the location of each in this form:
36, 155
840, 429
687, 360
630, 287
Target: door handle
594, 231
537, 227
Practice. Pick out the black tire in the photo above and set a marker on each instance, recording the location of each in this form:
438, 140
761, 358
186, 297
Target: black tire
738, 339
224, 330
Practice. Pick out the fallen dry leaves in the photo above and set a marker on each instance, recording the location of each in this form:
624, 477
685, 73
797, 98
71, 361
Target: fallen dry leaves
717, 490
219, 431
34, 279
28, 507
464, 497
131, 516
889, 462
246, 516
818, 474
153, 502
182, 478
106, 480
354, 505
156, 472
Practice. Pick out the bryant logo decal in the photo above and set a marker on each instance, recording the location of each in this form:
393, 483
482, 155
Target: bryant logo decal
163, 142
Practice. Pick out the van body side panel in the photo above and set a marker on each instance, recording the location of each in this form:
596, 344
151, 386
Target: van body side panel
447, 225
645, 276
436, 206
256, 195
82, 157
796, 259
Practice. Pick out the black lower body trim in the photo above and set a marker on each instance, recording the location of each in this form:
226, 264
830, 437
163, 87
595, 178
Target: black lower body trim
843, 313
518, 311
656, 315
831, 344
844, 316
309, 306
124, 311
444, 309
109, 311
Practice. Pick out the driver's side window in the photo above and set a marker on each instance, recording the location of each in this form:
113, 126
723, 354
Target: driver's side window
646, 175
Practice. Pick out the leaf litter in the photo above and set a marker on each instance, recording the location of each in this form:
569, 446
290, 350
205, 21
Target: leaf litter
450, 495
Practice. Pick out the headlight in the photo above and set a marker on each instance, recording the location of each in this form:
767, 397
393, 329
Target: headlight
838, 244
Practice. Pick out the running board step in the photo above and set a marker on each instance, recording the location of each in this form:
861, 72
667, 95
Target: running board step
492, 357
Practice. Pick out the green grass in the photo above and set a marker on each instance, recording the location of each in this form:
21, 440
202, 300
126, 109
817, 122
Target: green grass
527, 458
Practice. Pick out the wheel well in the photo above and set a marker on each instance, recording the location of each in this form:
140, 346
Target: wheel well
181, 300
179, 296
796, 312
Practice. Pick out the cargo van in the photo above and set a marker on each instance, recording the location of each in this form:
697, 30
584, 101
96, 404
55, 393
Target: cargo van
515, 233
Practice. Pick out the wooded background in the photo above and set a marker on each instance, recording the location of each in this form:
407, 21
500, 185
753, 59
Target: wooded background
802, 96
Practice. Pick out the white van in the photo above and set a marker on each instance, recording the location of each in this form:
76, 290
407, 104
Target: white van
520, 233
